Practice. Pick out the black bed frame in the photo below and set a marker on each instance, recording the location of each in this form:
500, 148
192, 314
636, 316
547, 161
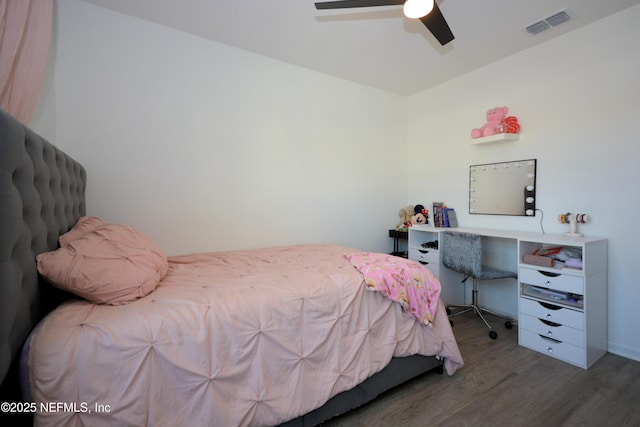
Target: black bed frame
42, 194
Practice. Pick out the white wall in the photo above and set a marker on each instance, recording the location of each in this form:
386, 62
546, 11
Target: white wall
207, 147
578, 100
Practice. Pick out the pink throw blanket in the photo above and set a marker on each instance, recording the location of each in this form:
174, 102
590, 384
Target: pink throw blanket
400, 280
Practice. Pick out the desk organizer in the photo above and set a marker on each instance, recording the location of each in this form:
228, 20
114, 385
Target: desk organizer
573, 220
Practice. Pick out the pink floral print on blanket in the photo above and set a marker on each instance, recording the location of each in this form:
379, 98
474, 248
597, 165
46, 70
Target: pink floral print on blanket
401, 280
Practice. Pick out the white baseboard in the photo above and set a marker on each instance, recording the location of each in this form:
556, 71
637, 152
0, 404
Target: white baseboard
624, 351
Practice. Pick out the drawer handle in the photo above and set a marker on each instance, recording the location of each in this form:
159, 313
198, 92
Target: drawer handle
423, 262
549, 323
548, 274
550, 340
423, 252
549, 306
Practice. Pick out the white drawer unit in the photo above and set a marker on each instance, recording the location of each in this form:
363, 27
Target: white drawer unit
563, 311
428, 257
550, 280
552, 313
553, 330
558, 349
423, 247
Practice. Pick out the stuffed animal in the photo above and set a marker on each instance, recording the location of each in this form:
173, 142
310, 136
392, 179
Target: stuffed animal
495, 116
405, 217
510, 125
420, 215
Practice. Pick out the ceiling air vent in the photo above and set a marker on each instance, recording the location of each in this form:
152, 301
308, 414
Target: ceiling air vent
558, 18
548, 22
538, 27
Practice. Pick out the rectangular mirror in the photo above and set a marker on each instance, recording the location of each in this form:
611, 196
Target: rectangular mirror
506, 188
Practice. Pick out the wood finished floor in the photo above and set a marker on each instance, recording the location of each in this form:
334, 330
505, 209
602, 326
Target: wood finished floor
504, 384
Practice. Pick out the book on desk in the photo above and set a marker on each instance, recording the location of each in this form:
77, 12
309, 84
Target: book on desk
443, 216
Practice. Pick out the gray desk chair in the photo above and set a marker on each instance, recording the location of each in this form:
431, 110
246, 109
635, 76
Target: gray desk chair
462, 252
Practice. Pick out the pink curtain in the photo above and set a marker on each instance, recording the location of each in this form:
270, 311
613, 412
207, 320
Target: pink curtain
25, 34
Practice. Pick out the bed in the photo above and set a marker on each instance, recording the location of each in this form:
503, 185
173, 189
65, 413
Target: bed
275, 336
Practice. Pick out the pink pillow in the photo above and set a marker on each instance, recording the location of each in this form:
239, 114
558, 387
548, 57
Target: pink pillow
84, 225
112, 264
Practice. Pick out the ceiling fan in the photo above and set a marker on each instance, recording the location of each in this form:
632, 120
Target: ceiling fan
426, 10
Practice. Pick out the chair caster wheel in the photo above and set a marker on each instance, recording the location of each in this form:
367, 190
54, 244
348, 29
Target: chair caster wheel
493, 335
508, 324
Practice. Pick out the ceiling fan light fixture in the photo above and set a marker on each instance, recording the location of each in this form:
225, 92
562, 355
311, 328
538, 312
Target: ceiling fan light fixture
417, 8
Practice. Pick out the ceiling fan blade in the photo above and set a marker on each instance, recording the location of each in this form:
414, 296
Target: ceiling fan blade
435, 22
345, 4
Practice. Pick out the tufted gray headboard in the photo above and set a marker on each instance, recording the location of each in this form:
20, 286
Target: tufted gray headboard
41, 196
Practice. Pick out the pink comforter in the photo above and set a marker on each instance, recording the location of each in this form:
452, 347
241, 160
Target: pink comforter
232, 338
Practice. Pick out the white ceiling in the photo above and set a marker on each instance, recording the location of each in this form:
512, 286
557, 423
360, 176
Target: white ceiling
374, 46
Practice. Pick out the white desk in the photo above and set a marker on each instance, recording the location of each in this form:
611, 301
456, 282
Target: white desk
578, 332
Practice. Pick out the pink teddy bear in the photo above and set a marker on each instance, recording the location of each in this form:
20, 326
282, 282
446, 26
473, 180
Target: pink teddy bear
495, 116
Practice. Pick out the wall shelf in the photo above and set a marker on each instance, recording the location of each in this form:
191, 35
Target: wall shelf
496, 137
